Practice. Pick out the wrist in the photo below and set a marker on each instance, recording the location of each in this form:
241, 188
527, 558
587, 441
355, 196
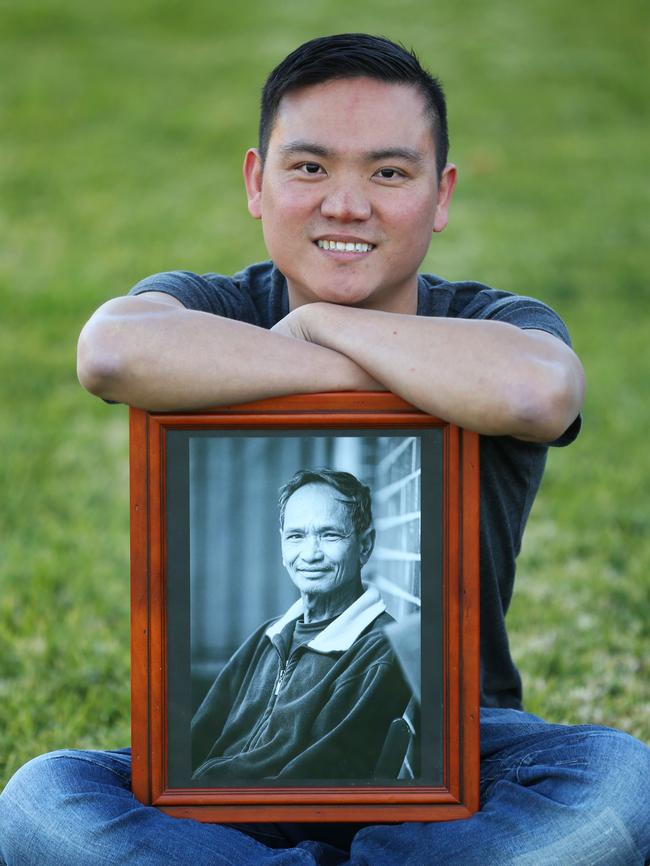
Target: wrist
317, 321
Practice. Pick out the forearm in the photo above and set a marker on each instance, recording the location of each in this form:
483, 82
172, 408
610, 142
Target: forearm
162, 356
486, 376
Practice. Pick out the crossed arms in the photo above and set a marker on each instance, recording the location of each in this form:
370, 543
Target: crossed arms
488, 376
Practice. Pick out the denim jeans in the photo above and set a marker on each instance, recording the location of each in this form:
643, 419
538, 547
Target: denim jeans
550, 794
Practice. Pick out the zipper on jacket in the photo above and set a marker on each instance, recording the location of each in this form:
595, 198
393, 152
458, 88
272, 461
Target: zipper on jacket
278, 685
262, 724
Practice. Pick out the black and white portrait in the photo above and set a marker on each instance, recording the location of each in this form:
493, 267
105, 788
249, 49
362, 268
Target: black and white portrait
308, 573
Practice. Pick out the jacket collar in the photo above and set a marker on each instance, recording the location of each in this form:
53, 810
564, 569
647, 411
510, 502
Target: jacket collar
346, 628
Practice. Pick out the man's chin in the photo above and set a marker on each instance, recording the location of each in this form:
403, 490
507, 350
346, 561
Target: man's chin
346, 294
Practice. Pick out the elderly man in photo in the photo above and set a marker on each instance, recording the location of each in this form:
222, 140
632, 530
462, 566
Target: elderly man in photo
312, 694
350, 181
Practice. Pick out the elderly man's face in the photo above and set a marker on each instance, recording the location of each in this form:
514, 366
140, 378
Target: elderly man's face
320, 547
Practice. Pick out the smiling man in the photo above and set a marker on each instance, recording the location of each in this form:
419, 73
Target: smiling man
351, 181
316, 690
323, 550
349, 196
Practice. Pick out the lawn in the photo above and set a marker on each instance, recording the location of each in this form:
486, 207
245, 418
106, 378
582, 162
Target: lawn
124, 126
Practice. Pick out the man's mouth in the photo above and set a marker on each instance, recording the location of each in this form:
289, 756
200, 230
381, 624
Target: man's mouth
345, 246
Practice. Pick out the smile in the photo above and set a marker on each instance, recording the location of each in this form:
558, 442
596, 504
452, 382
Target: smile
345, 246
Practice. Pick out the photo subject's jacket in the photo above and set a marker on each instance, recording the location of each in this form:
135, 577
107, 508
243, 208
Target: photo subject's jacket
321, 712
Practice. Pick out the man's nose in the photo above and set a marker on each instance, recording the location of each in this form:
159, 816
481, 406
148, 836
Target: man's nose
311, 549
346, 202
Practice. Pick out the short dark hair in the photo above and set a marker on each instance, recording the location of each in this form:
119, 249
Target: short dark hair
357, 494
354, 55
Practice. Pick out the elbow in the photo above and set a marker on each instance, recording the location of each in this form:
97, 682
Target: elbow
98, 362
546, 409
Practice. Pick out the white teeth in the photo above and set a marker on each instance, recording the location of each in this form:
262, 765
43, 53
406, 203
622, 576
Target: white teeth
345, 246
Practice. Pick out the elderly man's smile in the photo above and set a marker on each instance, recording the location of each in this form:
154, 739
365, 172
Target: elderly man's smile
314, 572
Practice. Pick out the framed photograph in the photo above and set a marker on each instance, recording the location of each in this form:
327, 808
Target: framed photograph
305, 611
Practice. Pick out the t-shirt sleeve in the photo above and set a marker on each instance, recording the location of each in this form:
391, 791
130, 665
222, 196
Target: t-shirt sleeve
523, 312
528, 314
208, 293
192, 290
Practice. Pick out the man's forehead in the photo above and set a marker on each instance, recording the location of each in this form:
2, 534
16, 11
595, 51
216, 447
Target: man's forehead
354, 114
316, 501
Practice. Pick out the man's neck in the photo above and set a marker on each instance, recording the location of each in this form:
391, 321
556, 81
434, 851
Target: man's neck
318, 606
404, 302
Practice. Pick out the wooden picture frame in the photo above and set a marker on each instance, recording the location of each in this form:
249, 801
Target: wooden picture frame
206, 564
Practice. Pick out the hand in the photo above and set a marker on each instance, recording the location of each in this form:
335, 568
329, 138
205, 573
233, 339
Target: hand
303, 324
296, 324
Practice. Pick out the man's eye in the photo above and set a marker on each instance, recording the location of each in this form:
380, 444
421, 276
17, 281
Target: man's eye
389, 173
332, 536
310, 167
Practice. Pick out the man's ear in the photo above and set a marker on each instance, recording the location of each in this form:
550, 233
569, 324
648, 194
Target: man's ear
253, 182
445, 189
366, 544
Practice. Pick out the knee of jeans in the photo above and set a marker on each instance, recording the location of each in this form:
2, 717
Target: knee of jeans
619, 764
619, 768
32, 794
30, 779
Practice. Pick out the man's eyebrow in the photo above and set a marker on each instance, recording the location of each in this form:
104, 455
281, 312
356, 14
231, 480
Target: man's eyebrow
326, 527
406, 153
305, 147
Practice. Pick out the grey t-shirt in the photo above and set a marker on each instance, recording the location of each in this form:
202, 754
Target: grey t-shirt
511, 470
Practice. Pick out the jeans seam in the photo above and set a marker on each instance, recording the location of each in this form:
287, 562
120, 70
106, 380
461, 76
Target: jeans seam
80, 756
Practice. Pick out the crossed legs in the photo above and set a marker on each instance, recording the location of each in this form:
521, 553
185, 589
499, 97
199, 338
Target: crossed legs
552, 795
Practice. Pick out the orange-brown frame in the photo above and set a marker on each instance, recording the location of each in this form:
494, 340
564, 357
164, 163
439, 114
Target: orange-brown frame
458, 796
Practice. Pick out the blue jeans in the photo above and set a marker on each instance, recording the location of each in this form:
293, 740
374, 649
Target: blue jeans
551, 794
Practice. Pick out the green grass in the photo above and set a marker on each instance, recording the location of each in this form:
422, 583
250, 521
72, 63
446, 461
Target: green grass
123, 131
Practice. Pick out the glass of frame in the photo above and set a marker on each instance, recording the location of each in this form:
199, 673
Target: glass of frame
305, 611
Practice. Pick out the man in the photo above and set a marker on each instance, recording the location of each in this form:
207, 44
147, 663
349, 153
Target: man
317, 689
350, 180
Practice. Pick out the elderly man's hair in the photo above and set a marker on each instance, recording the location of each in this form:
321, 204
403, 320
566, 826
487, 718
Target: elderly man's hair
355, 494
354, 55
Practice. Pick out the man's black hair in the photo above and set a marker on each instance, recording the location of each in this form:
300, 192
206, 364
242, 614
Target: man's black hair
354, 55
355, 494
